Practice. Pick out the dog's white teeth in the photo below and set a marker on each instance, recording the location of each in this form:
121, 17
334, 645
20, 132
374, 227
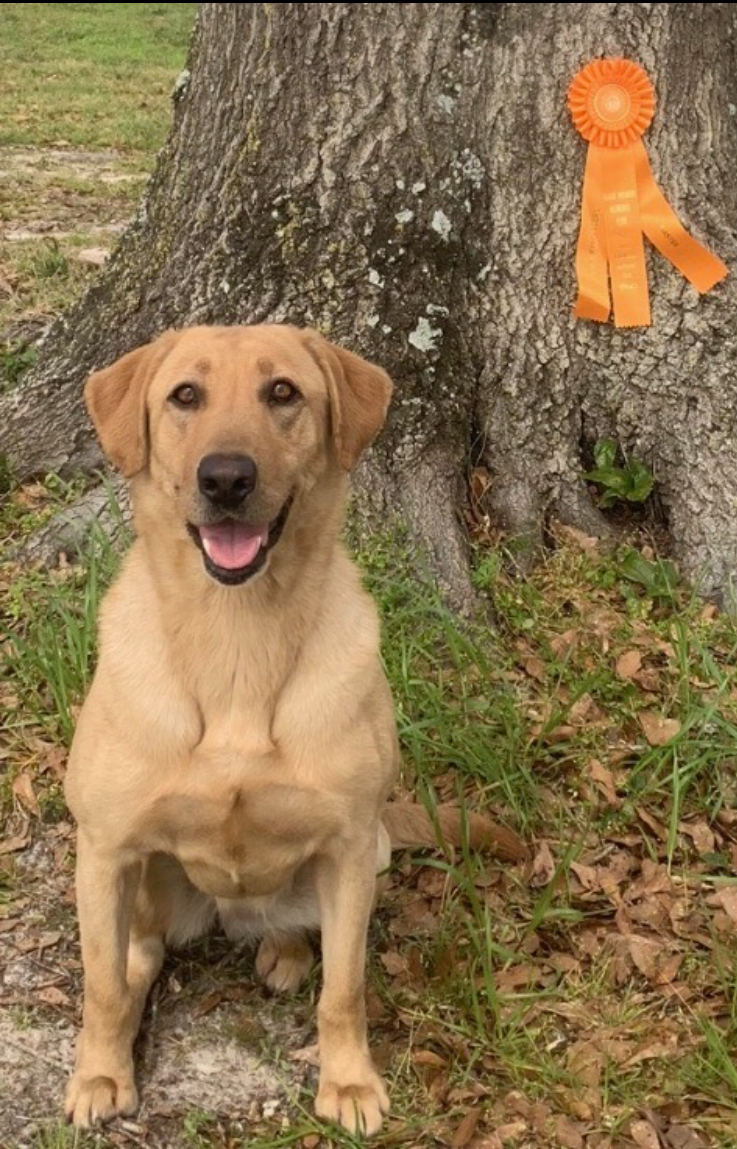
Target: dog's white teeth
207, 546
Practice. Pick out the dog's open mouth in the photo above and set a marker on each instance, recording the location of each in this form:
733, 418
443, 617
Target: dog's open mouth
233, 551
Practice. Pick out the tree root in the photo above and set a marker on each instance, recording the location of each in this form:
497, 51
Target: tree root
575, 509
104, 507
430, 495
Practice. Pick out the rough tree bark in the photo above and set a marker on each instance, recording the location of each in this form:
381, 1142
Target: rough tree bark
406, 178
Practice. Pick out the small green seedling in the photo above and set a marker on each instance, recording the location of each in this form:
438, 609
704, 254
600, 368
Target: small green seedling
631, 482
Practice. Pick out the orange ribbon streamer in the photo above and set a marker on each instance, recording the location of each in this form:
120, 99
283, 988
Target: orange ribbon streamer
612, 103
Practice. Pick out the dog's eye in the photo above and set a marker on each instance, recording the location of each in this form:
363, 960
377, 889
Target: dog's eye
185, 395
282, 392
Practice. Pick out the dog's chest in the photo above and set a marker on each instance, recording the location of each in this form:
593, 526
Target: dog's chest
235, 831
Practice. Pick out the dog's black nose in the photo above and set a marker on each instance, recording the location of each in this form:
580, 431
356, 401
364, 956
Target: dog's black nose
226, 480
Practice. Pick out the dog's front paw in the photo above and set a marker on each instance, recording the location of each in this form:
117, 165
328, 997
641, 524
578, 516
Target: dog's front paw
93, 1100
359, 1106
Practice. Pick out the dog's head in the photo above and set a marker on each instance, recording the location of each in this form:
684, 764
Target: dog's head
231, 424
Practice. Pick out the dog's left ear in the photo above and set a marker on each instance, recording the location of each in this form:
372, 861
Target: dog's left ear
116, 401
359, 394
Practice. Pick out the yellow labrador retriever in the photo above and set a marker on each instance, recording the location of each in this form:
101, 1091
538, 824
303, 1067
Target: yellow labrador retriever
235, 752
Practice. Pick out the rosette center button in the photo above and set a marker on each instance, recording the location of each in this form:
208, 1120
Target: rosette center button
612, 103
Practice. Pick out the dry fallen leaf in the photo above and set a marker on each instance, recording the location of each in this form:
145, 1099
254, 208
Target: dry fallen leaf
535, 667
518, 975
564, 962
438, 1088
681, 1137
628, 665
228, 993
466, 1129
617, 1049
24, 792
308, 1055
539, 1116
585, 1064
658, 730
653, 960
555, 735
480, 482
429, 1057
394, 963
568, 1133
53, 760
644, 953
654, 1051
543, 866
604, 780
652, 823
700, 834
17, 842
512, 1131
727, 899
648, 679
588, 876
644, 1135
375, 1008
588, 543
562, 643
585, 709
52, 995
44, 942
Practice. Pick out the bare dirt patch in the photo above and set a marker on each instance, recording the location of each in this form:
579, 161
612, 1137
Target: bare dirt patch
222, 1052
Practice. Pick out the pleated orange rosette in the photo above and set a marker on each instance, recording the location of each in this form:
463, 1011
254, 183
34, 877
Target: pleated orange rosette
612, 103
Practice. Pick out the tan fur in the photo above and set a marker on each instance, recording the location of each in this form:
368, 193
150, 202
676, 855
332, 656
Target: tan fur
116, 400
237, 746
410, 825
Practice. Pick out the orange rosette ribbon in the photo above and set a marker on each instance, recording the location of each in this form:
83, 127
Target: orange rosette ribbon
612, 103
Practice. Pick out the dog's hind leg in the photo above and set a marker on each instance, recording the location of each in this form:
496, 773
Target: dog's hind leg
284, 957
281, 922
283, 961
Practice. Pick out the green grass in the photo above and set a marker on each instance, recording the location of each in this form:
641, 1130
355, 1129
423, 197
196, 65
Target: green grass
59, 1135
49, 627
440, 675
89, 75
45, 274
96, 77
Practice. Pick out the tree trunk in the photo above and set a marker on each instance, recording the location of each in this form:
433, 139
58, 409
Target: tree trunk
406, 178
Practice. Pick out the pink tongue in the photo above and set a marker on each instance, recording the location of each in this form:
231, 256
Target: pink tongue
232, 545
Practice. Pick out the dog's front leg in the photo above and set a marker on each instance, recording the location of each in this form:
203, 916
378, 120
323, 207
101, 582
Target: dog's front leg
350, 1090
102, 1084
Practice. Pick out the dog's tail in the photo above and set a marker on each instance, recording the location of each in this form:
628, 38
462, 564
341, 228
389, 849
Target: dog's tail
409, 824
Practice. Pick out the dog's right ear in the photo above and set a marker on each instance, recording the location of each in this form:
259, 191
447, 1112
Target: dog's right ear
116, 401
